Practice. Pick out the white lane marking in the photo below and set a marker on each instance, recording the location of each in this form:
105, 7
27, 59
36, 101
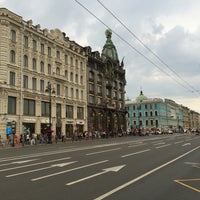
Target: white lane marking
111, 169
181, 141
69, 170
98, 152
23, 161
166, 145
143, 175
159, 143
186, 144
40, 163
136, 145
40, 169
131, 154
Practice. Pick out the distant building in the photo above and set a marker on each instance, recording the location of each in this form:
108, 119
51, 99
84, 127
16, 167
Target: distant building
154, 113
106, 88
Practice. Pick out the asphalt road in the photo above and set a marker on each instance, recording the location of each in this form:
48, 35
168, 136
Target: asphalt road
140, 168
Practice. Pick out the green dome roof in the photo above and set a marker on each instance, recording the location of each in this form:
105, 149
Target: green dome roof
109, 51
141, 97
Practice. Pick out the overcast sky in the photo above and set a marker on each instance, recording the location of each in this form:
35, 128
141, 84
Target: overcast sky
170, 29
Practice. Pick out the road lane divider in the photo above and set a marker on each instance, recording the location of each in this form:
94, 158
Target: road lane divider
40, 169
69, 170
166, 145
111, 169
30, 165
135, 153
105, 151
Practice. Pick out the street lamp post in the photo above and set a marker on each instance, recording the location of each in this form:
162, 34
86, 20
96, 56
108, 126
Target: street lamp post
51, 91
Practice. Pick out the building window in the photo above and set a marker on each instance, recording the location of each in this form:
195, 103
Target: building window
58, 54
66, 59
11, 105
34, 83
76, 78
76, 63
145, 106
26, 41
49, 51
81, 80
42, 67
156, 113
13, 35
58, 110
77, 94
134, 114
25, 81
12, 78
49, 69
42, 48
58, 89
151, 113
80, 113
41, 85
81, 94
91, 76
81, 64
72, 93
12, 56
69, 111
151, 122
146, 114
45, 109
34, 64
29, 107
156, 123
34, 45
66, 91
91, 88
25, 61
71, 62
66, 74
91, 99
71, 77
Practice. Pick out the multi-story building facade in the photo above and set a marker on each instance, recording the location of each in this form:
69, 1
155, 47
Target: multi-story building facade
106, 89
42, 78
156, 113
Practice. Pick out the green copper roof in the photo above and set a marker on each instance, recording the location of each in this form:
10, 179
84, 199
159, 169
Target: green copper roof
109, 51
141, 97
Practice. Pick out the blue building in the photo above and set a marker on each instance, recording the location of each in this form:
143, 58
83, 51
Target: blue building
154, 114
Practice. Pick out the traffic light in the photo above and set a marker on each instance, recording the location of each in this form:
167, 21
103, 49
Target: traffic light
13, 127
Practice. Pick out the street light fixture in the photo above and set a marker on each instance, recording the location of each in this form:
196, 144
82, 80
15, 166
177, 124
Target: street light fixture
51, 91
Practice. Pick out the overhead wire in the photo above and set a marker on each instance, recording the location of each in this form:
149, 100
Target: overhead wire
140, 53
144, 45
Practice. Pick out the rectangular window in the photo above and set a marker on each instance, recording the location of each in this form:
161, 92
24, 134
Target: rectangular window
12, 78
34, 83
41, 85
49, 69
12, 105
34, 45
13, 36
80, 113
29, 107
66, 91
45, 109
25, 81
26, 41
58, 89
49, 51
69, 111
58, 110
42, 48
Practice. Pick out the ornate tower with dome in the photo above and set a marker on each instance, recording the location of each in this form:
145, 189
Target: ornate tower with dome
106, 89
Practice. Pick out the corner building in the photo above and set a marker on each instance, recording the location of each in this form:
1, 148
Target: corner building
106, 89
30, 60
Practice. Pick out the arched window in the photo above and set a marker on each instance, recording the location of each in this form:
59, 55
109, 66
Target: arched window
66, 74
13, 35
25, 61
71, 77
34, 64
42, 67
12, 56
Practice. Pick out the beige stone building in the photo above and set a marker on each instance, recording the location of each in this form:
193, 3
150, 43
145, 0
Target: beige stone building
42, 79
